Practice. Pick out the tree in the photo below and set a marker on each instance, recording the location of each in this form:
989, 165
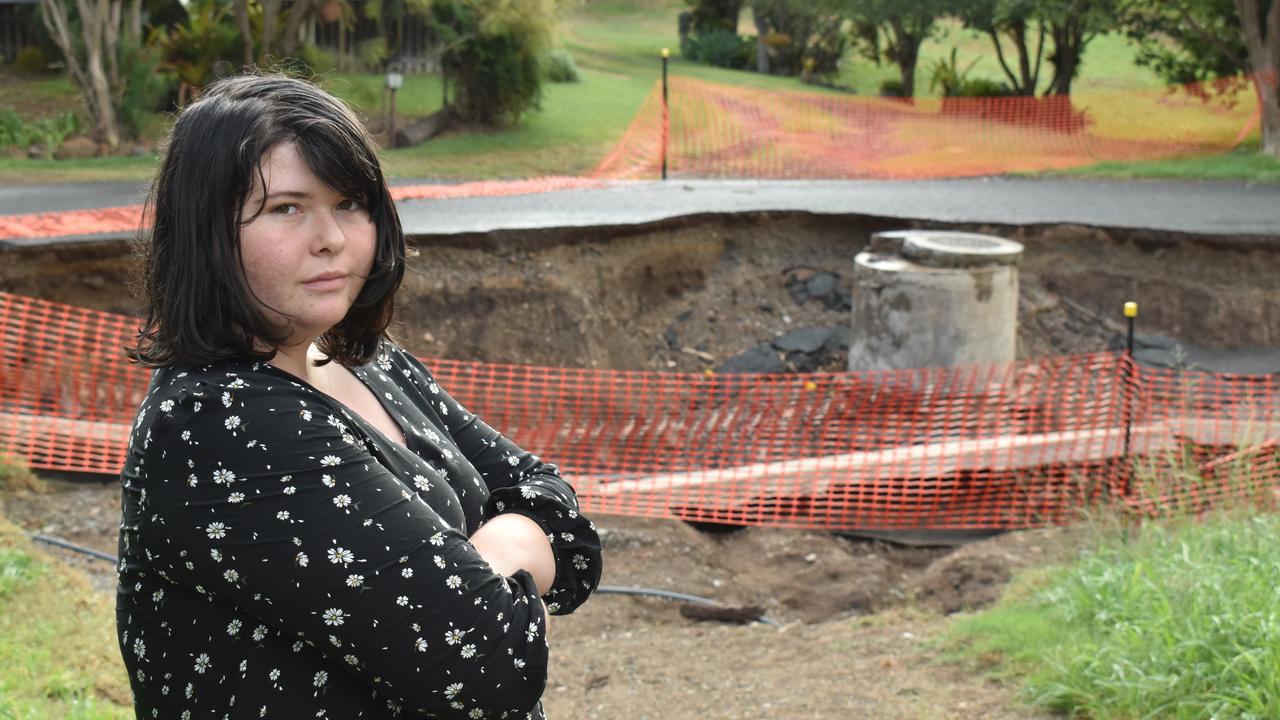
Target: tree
94, 36
1073, 24
1010, 21
893, 30
491, 54
797, 37
709, 15
1187, 41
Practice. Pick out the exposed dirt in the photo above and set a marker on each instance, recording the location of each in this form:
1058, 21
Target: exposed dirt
856, 616
688, 294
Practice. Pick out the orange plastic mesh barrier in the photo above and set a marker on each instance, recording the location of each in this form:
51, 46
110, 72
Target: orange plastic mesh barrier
1007, 446
128, 219
715, 130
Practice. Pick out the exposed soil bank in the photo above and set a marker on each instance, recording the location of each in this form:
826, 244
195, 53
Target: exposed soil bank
688, 293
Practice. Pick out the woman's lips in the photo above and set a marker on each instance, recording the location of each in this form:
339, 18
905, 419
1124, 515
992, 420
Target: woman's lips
327, 281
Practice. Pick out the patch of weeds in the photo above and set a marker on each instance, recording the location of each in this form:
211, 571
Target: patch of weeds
1179, 621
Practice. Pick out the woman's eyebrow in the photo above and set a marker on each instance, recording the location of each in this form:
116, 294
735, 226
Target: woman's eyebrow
298, 194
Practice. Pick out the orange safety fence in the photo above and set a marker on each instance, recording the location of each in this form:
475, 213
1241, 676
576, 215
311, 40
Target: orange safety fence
997, 446
712, 130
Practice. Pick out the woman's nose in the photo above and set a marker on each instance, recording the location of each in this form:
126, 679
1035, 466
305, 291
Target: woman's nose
329, 236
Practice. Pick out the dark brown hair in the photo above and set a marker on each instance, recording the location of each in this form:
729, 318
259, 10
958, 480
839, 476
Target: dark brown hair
198, 307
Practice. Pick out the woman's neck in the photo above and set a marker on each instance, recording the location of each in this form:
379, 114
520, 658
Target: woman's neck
297, 360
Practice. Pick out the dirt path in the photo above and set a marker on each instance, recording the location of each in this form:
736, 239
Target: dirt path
858, 620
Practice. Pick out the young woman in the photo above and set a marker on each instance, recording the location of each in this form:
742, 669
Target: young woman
312, 527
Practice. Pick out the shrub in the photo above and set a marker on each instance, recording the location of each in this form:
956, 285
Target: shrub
373, 53
558, 67
149, 88
983, 87
30, 59
720, 48
491, 61
48, 133
893, 87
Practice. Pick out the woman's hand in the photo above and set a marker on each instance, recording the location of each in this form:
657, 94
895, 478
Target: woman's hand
511, 542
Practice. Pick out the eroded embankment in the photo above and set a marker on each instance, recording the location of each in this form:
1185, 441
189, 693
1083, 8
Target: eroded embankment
689, 293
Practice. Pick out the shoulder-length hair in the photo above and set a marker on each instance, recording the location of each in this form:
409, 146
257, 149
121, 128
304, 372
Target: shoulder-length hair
198, 307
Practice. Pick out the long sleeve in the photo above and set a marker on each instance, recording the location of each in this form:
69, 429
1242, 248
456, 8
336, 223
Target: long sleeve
257, 493
519, 482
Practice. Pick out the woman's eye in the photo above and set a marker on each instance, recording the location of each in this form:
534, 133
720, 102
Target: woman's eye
349, 205
286, 209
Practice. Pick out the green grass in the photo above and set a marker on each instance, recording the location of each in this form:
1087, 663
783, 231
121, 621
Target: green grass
1243, 163
616, 46
1183, 621
58, 656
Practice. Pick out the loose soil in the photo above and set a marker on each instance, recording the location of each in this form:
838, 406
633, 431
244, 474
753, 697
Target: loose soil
858, 619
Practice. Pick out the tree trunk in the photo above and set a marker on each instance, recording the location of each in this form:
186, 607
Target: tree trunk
762, 50
292, 26
1262, 40
1068, 43
906, 53
270, 13
246, 31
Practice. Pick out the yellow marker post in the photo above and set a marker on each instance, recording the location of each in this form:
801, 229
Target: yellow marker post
1130, 373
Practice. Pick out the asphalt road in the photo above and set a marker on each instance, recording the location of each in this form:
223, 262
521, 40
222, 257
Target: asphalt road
1214, 208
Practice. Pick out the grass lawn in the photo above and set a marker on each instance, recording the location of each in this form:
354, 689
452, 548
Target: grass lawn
1179, 622
616, 46
58, 656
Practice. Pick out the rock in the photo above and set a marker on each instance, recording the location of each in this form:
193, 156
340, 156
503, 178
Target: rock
723, 613
673, 341
822, 284
840, 300
765, 307
759, 359
839, 340
77, 148
803, 340
799, 291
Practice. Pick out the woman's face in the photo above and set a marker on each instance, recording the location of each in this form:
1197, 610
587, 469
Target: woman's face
307, 254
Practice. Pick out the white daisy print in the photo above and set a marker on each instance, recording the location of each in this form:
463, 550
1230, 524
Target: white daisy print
342, 501
321, 678
453, 637
454, 582
216, 530
330, 460
334, 617
468, 651
202, 663
222, 476
452, 690
341, 556
232, 422
355, 580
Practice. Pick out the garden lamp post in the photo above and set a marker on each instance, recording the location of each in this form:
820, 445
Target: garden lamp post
394, 81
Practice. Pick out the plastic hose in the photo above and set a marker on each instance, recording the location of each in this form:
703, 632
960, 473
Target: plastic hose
603, 589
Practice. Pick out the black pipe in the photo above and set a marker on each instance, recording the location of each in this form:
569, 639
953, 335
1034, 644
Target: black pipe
603, 589
670, 595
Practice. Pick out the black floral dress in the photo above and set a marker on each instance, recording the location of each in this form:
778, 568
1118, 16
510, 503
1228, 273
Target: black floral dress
281, 558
